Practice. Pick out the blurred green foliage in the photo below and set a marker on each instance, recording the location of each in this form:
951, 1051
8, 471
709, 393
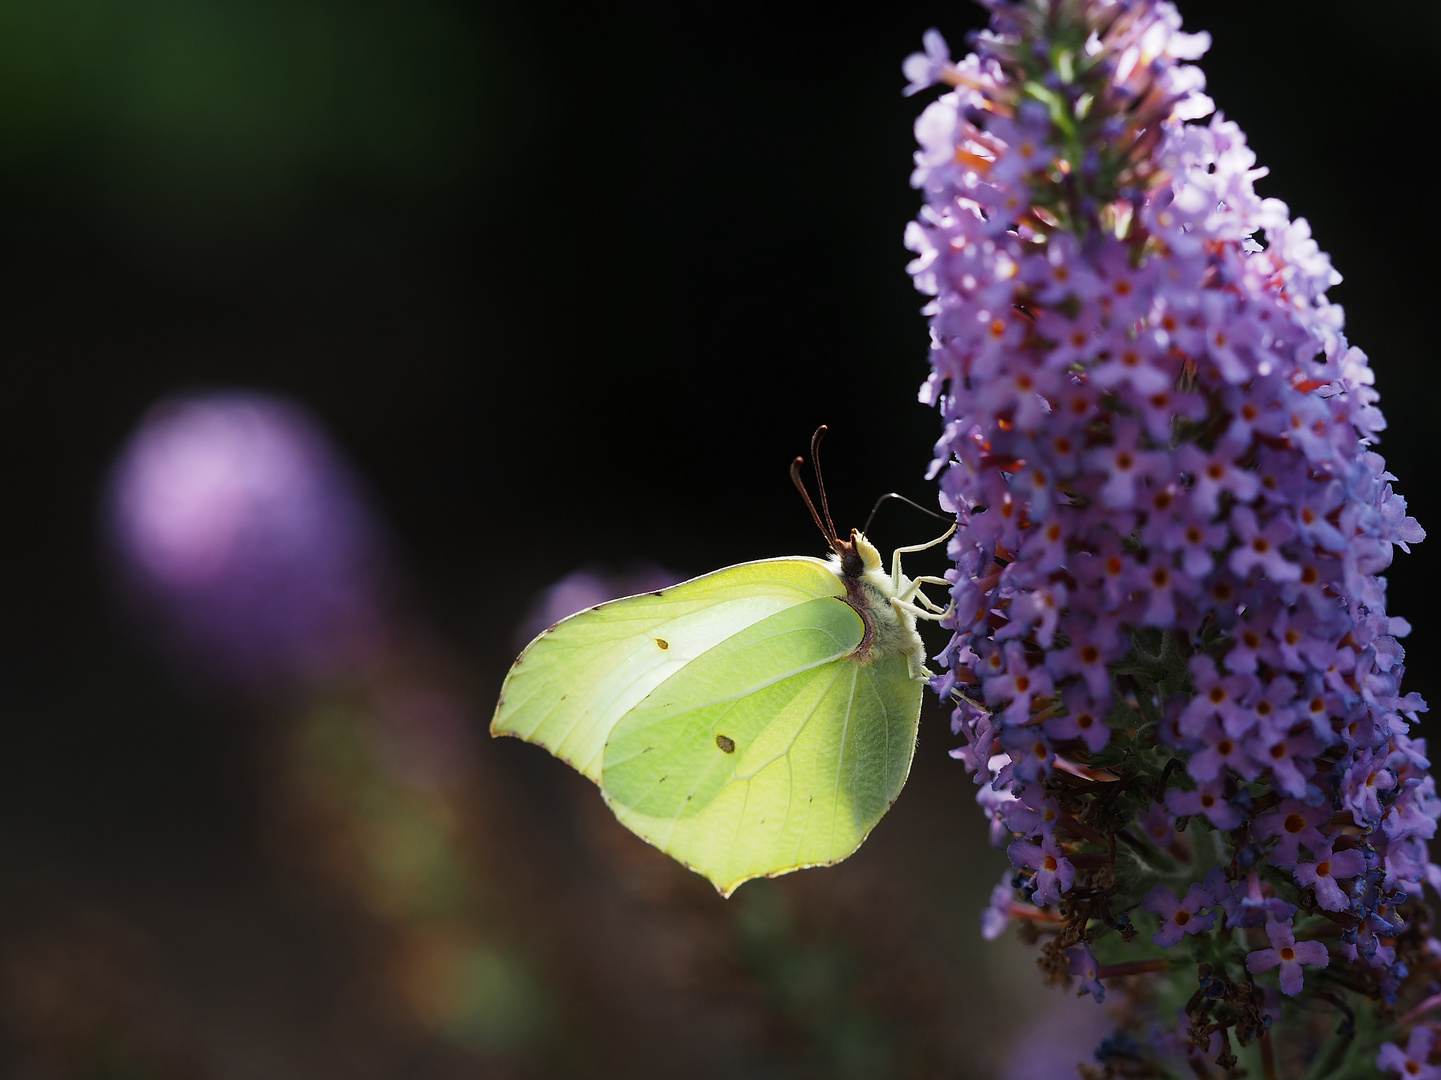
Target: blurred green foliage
402, 850
493, 1003
197, 111
815, 986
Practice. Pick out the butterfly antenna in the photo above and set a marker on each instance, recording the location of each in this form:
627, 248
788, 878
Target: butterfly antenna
806, 495
820, 483
908, 502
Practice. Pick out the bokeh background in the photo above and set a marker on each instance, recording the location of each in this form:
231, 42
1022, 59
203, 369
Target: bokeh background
543, 287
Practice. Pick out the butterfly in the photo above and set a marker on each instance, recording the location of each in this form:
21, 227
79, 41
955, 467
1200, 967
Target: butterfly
749, 722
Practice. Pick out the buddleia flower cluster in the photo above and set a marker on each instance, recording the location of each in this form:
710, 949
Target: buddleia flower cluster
1172, 666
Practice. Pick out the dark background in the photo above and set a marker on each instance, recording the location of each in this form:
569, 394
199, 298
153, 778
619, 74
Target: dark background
570, 283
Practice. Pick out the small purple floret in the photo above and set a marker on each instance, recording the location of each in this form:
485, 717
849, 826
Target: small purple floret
1287, 953
1411, 1063
1179, 917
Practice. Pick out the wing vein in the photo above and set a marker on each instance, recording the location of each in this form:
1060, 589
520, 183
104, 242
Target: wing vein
800, 729
841, 757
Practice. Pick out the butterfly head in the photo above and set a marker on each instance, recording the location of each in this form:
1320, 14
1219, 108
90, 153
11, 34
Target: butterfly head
856, 555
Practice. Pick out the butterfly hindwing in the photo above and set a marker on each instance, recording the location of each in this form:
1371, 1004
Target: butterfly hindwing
773, 751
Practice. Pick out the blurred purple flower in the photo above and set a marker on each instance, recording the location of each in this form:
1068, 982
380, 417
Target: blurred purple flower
1412, 1062
1082, 963
1063, 1036
240, 531
584, 588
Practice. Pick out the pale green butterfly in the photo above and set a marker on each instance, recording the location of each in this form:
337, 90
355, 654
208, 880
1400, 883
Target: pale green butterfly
748, 722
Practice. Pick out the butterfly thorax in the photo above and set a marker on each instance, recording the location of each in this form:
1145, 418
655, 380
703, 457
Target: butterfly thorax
890, 628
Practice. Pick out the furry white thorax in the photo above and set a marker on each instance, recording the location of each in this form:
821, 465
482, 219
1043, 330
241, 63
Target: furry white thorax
884, 603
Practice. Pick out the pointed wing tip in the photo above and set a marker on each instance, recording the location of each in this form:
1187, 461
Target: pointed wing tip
500, 727
497, 731
501, 724
727, 886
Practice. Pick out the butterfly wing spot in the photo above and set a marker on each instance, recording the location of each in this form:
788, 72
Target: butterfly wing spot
727, 745
662, 643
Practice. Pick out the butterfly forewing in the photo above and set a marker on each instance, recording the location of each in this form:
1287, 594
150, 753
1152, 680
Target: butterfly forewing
756, 690
576, 680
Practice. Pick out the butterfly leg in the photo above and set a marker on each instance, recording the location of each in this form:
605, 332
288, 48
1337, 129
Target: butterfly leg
896, 576
932, 616
927, 603
913, 587
935, 613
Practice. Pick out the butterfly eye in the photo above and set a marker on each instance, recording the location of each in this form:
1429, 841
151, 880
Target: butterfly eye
852, 565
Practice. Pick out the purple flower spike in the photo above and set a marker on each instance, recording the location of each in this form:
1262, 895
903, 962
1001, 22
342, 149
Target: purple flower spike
1289, 954
1169, 628
238, 527
1179, 917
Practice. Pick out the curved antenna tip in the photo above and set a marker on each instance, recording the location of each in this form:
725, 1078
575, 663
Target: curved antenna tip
900, 498
823, 522
829, 528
